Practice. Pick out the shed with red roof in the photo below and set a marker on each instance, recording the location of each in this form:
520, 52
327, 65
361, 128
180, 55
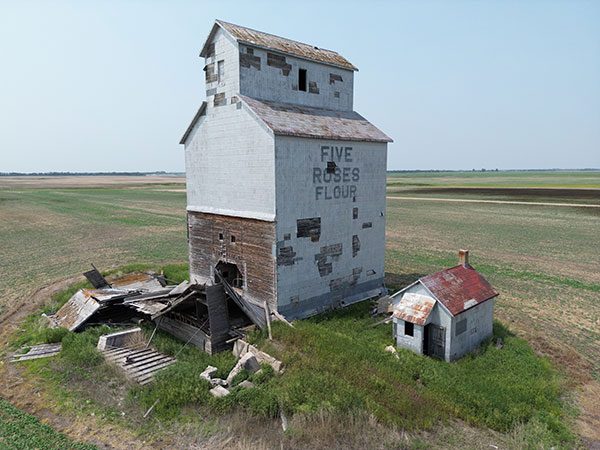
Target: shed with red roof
445, 314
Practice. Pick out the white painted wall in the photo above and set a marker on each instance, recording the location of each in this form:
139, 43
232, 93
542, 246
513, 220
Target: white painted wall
226, 50
269, 83
230, 165
296, 160
480, 321
415, 342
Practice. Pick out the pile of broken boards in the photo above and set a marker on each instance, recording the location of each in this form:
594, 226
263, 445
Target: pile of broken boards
250, 359
130, 298
180, 310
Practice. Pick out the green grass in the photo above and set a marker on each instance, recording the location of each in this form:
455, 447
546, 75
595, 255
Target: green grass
20, 431
336, 363
581, 179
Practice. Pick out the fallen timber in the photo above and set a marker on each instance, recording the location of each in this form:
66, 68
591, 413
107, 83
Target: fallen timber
211, 317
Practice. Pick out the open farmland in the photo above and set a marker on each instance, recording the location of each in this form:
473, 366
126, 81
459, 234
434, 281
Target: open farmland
544, 260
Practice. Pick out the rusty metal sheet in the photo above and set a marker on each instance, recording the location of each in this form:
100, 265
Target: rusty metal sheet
414, 308
459, 288
149, 307
270, 41
306, 121
77, 310
138, 281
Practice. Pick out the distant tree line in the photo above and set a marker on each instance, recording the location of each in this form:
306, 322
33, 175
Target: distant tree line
76, 174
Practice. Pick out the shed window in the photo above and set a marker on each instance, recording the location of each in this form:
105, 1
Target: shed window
221, 71
461, 327
409, 329
302, 79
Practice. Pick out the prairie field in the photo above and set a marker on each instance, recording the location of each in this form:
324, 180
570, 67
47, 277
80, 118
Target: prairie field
533, 235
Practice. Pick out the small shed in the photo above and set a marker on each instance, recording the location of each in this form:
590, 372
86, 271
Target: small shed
446, 314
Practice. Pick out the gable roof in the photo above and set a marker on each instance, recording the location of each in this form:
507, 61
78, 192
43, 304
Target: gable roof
459, 288
201, 111
306, 121
261, 39
414, 308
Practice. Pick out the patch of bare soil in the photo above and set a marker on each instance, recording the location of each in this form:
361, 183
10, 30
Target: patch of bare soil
588, 400
46, 182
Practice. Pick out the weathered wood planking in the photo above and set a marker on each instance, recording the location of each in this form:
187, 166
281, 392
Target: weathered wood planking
185, 332
139, 364
39, 351
252, 251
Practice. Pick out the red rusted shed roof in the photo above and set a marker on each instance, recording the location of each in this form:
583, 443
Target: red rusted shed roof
306, 121
459, 288
414, 308
266, 40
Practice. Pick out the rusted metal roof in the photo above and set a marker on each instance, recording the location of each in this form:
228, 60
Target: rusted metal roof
306, 121
270, 41
78, 309
414, 308
459, 288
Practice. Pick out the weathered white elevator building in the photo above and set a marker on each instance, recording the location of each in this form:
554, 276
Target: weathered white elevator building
285, 181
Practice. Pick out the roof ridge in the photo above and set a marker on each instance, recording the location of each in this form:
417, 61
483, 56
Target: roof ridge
300, 106
219, 21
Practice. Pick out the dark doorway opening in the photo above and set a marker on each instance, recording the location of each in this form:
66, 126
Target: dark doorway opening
230, 273
434, 342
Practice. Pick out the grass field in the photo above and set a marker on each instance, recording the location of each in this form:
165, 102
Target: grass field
20, 431
544, 260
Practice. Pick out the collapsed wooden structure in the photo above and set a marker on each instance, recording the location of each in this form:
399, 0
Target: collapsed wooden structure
210, 317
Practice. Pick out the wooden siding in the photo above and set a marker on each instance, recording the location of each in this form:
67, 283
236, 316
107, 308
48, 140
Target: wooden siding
252, 251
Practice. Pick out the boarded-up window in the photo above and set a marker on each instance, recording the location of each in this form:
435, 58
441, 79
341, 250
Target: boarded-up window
461, 327
409, 329
309, 228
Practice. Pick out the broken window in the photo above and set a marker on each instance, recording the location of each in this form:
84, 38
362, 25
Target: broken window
331, 166
461, 327
232, 238
309, 228
409, 329
220, 236
302, 79
221, 71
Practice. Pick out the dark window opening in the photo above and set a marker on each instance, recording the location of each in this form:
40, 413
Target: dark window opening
220, 236
355, 213
302, 79
230, 273
232, 238
331, 166
409, 329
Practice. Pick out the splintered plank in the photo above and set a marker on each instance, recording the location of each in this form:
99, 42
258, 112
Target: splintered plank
39, 351
139, 365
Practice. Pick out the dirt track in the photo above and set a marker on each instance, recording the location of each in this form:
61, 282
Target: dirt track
499, 202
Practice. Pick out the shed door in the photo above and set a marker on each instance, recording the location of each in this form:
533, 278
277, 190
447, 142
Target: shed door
436, 341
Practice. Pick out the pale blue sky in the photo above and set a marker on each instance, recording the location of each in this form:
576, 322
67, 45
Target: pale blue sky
112, 85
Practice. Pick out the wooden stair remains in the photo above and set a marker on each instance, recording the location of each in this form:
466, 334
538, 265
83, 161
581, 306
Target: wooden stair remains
38, 351
139, 364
